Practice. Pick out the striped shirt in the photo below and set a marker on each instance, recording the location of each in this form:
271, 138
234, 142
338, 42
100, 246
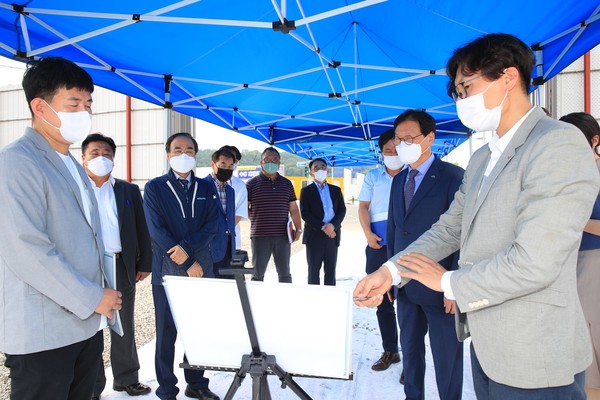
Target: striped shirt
269, 203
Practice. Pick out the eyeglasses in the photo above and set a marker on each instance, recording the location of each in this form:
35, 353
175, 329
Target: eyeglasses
319, 168
271, 160
178, 152
461, 91
406, 139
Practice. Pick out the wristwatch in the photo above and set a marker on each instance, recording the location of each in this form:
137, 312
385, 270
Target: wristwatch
299, 230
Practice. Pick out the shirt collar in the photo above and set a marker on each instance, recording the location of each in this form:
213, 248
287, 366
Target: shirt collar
424, 167
177, 176
110, 181
499, 143
216, 181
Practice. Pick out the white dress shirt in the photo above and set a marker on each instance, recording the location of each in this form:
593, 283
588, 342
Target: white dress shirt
241, 206
109, 219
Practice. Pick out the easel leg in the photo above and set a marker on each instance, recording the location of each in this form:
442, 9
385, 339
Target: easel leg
260, 388
287, 380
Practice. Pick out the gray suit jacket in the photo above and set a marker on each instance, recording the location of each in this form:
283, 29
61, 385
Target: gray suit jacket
50, 256
519, 234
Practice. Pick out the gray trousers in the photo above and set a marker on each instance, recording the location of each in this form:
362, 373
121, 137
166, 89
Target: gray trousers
262, 249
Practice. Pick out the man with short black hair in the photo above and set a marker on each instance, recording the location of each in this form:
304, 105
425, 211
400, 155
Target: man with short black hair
517, 218
181, 211
126, 240
322, 208
53, 305
374, 199
223, 244
419, 195
241, 195
271, 202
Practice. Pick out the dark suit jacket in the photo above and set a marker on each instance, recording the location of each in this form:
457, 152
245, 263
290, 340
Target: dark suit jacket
432, 199
174, 217
135, 239
218, 245
311, 209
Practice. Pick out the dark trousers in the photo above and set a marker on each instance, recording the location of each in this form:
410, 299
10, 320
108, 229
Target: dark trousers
321, 250
65, 373
447, 352
386, 315
123, 350
262, 249
164, 357
224, 263
487, 389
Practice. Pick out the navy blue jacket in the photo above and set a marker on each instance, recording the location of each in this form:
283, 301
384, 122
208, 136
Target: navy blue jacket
175, 217
432, 199
226, 223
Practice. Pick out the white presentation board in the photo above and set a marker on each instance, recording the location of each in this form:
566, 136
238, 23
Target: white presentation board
307, 328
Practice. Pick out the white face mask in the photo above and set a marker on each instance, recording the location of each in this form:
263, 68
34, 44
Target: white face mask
474, 115
74, 126
392, 162
182, 163
320, 176
100, 166
409, 153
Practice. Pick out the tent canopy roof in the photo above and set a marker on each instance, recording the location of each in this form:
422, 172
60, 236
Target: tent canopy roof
318, 78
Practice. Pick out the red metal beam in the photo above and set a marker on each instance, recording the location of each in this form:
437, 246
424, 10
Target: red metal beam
128, 136
587, 79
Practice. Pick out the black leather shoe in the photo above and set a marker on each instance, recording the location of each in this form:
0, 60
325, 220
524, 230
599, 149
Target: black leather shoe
402, 378
386, 359
137, 389
202, 394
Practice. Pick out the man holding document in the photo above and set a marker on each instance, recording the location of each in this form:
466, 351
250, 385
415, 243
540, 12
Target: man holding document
52, 301
373, 206
517, 219
128, 254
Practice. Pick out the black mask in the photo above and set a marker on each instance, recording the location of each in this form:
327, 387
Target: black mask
223, 174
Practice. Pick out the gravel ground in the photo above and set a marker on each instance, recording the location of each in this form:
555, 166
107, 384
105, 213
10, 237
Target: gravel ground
144, 314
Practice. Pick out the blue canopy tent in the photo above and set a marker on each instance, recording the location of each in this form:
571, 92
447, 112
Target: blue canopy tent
317, 78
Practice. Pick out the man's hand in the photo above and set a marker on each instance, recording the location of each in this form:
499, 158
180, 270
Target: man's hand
450, 306
297, 235
373, 241
140, 276
424, 270
111, 300
195, 271
329, 230
372, 288
178, 255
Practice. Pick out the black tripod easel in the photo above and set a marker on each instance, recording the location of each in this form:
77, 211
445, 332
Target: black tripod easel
258, 364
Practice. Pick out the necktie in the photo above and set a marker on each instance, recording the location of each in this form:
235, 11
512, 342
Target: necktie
184, 183
409, 189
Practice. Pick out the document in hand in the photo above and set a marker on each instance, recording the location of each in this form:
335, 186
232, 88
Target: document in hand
290, 230
110, 277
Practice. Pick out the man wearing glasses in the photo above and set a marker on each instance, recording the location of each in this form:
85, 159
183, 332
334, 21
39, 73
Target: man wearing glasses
419, 195
323, 210
517, 218
271, 203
